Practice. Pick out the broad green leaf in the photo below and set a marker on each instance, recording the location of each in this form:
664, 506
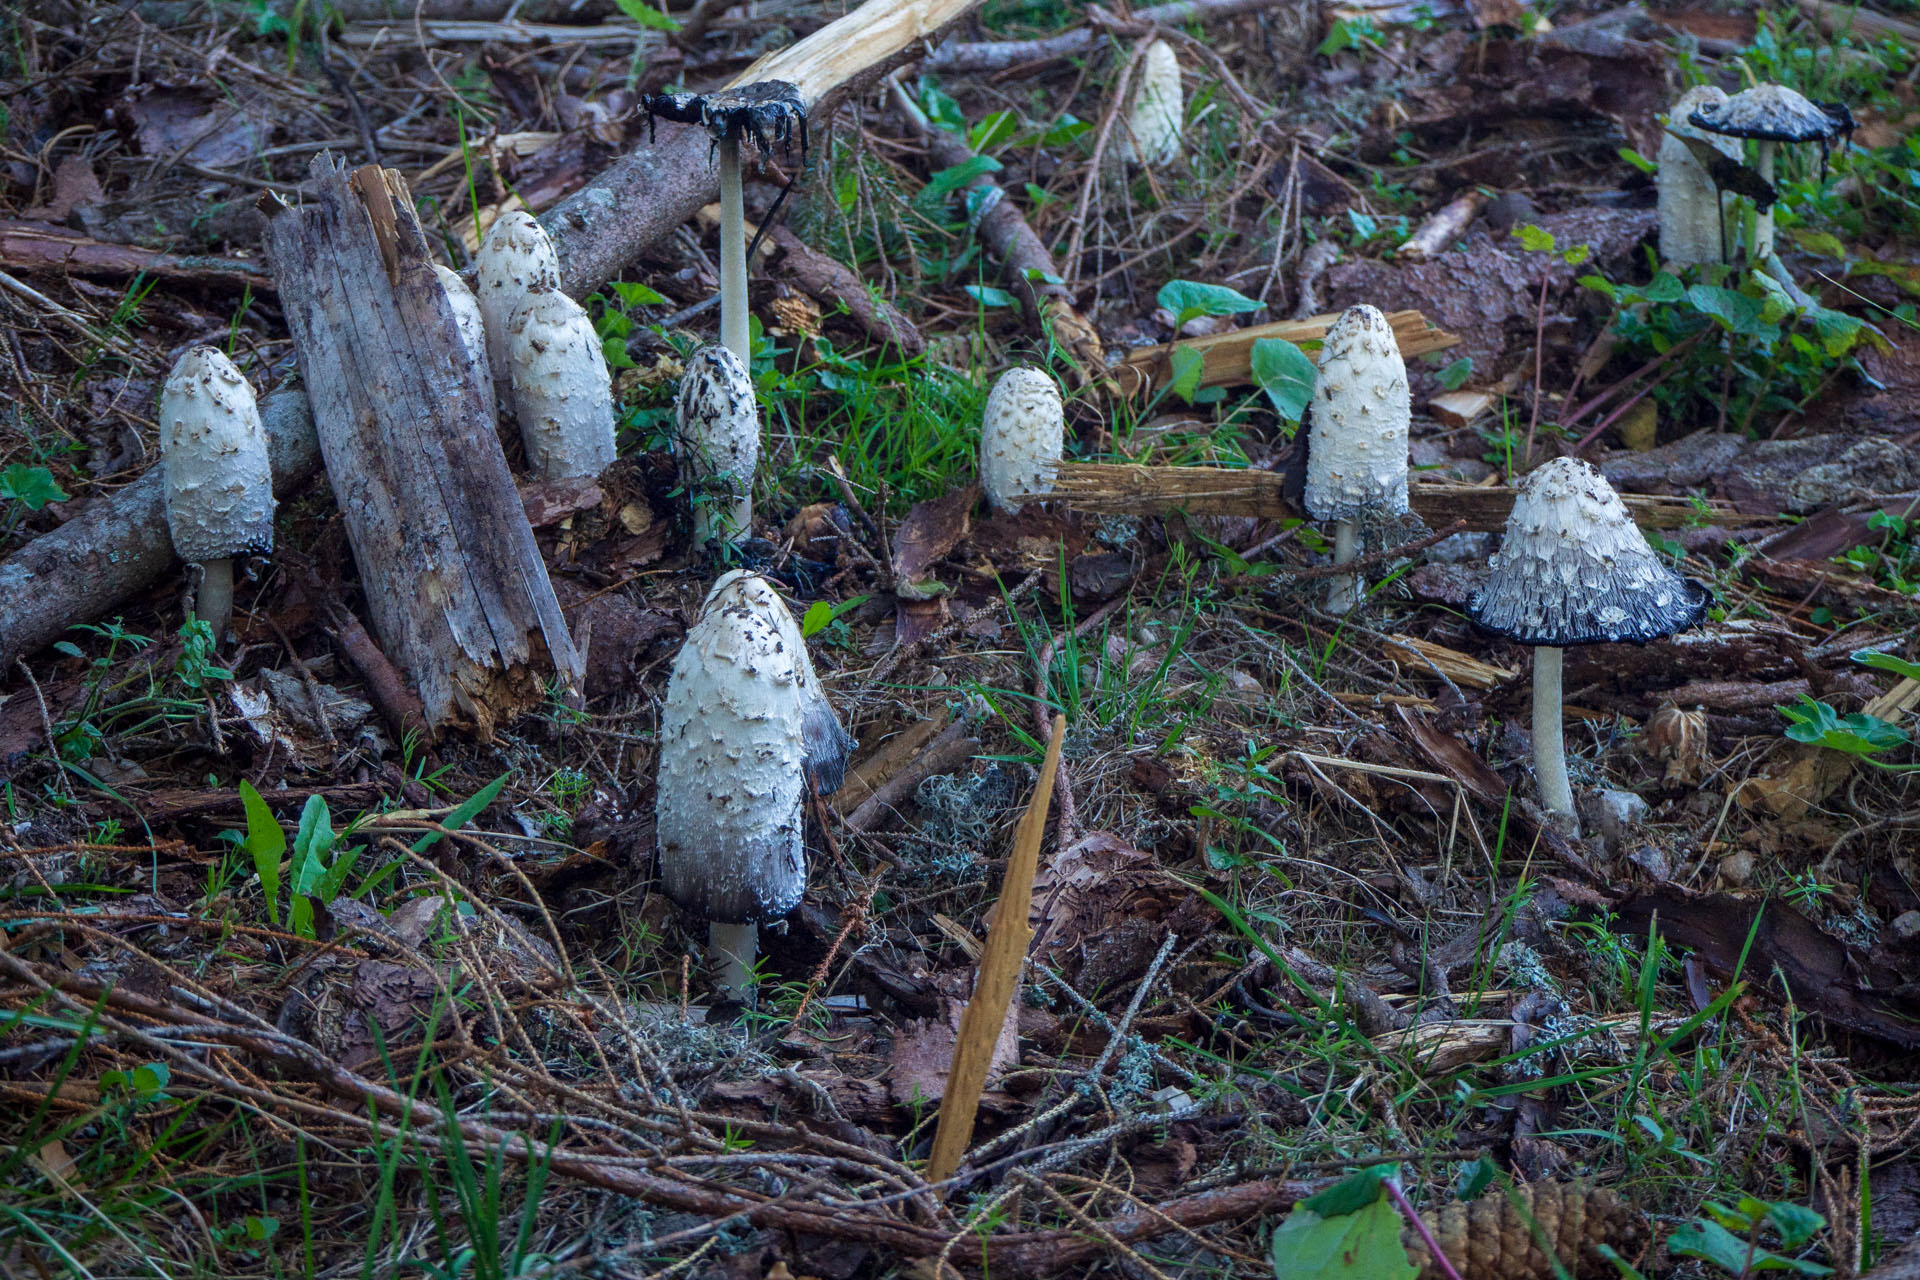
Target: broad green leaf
1352, 1193
614, 351
1887, 662
821, 615
1455, 375
1858, 734
1357, 1246
311, 845
646, 15
463, 813
993, 130
1286, 374
988, 296
1704, 1238
1734, 311
1534, 239
150, 1079
941, 109
1064, 130
32, 485
1188, 366
947, 181
1795, 1223
1190, 298
1664, 287
635, 294
266, 842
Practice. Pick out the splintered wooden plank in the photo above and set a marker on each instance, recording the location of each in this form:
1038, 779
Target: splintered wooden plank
1123, 489
455, 586
1228, 357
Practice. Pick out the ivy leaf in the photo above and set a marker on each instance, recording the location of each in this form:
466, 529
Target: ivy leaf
1286, 374
32, 485
1357, 1246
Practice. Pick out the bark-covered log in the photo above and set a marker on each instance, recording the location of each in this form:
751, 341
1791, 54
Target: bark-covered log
118, 544
455, 585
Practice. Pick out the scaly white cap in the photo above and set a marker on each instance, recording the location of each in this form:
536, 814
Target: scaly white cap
1574, 569
719, 443
732, 760
514, 259
1158, 113
1357, 445
562, 390
468, 320
1021, 434
213, 447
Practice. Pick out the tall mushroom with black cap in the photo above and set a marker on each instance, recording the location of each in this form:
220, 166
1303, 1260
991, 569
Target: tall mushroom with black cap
744, 726
1573, 569
766, 112
1771, 114
1357, 445
219, 484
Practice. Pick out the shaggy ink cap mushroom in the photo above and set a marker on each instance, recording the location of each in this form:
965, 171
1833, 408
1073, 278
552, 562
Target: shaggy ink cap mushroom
1690, 209
219, 480
1357, 444
1157, 115
562, 388
1573, 569
1022, 432
719, 440
516, 258
1773, 113
468, 319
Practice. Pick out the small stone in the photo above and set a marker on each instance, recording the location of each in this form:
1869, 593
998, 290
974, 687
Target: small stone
1618, 814
1736, 870
1906, 926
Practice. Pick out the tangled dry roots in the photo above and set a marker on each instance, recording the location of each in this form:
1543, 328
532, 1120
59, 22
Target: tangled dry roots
1507, 1236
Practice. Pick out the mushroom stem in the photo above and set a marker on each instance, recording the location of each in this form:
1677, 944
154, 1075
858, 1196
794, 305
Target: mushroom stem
1549, 743
730, 954
733, 252
1763, 218
1344, 592
213, 604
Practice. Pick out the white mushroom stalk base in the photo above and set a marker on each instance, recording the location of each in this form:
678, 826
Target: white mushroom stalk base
213, 604
1343, 592
731, 950
733, 253
1549, 741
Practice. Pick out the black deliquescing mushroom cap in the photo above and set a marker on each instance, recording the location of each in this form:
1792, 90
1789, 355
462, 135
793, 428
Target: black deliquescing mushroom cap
1774, 113
1573, 569
766, 112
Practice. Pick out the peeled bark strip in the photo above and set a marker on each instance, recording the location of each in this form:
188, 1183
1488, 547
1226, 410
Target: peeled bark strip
118, 544
455, 585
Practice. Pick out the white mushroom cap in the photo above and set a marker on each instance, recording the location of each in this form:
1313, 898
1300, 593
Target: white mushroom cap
1021, 434
1158, 112
1574, 569
732, 759
1357, 446
214, 449
467, 318
1772, 113
719, 440
828, 743
1689, 198
515, 258
562, 391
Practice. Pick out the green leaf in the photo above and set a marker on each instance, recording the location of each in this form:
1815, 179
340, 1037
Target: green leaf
463, 813
1823, 243
988, 296
1352, 1193
311, 845
941, 109
1664, 287
1735, 312
1707, 1239
821, 615
1859, 734
1190, 298
614, 351
1286, 374
646, 15
993, 130
266, 842
947, 181
1065, 130
1887, 662
1533, 239
635, 294
1455, 375
148, 1080
1188, 366
1795, 1223
1637, 160
31, 485
1364, 1245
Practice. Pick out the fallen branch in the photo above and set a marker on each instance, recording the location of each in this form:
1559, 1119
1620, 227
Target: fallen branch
37, 246
999, 55
832, 281
1121, 489
1227, 358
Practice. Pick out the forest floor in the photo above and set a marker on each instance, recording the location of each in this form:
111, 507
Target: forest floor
286, 991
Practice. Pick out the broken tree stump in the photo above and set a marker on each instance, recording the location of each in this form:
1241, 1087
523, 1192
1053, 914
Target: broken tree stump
455, 586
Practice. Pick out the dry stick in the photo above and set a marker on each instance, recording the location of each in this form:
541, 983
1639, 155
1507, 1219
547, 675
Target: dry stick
1679, 348
999, 55
1000, 964
1078, 221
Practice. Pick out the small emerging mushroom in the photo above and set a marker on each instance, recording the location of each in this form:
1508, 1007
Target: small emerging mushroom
1772, 114
562, 390
468, 320
515, 259
1574, 569
744, 721
1691, 226
1021, 434
719, 440
219, 481
1157, 114
1357, 445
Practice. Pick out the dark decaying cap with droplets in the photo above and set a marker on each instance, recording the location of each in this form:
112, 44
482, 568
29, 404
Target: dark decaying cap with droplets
1573, 569
1774, 113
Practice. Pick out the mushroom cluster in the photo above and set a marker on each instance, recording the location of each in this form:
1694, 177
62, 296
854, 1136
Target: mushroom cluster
1573, 569
744, 725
